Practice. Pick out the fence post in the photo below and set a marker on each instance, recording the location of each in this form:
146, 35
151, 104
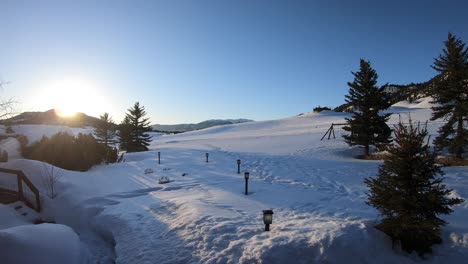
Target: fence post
20, 187
38, 203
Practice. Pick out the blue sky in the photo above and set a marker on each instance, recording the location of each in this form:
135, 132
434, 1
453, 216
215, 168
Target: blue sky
188, 61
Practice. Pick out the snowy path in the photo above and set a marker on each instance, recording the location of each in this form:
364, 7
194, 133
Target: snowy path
147, 224
204, 217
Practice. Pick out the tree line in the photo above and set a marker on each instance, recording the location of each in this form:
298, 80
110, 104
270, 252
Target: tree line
82, 152
408, 191
449, 89
130, 134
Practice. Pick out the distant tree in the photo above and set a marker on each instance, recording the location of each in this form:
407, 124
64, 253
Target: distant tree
408, 193
88, 151
125, 134
367, 126
319, 109
450, 93
134, 128
105, 132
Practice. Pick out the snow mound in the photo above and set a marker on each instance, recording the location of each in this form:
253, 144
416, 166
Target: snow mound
10, 218
45, 243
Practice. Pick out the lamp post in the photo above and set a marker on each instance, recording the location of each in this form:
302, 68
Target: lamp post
159, 157
267, 219
246, 176
206, 154
238, 166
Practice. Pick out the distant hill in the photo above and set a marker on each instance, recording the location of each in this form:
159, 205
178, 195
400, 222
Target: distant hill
201, 125
50, 117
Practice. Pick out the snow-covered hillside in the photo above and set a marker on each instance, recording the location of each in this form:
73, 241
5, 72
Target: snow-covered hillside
315, 188
198, 126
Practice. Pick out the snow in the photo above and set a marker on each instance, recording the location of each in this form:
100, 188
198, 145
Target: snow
36, 132
12, 147
45, 243
10, 217
315, 189
422, 103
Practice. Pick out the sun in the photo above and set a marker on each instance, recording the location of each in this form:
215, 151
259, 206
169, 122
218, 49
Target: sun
65, 112
72, 95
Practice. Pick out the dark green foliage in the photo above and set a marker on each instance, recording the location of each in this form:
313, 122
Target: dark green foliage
367, 126
68, 152
105, 133
346, 107
319, 109
105, 130
112, 155
125, 134
408, 191
88, 152
133, 130
450, 92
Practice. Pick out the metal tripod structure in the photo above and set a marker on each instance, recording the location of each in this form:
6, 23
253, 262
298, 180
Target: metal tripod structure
331, 131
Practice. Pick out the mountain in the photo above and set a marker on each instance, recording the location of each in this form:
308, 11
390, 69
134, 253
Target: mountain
51, 117
198, 126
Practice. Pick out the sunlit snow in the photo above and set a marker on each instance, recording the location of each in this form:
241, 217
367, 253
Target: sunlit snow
315, 188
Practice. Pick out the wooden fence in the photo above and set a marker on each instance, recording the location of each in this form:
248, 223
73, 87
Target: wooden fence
20, 193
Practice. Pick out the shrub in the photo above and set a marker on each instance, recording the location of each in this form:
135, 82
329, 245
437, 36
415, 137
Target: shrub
78, 153
9, 130
50, 177
319, 109
409, 192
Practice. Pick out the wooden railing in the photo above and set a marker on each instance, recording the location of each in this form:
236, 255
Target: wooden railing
21, 178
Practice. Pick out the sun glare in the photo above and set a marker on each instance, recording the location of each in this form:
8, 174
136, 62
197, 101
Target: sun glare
65, 112
69, 96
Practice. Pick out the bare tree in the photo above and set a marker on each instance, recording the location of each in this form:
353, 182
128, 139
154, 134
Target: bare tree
6, 105
50, 176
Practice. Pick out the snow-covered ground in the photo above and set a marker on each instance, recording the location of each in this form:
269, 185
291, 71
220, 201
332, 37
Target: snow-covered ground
118, 213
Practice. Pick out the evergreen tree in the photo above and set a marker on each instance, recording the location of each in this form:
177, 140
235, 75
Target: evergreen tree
105, 133
450, 93
125, 134
136, 125
408, 193
105, 130
367, 126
